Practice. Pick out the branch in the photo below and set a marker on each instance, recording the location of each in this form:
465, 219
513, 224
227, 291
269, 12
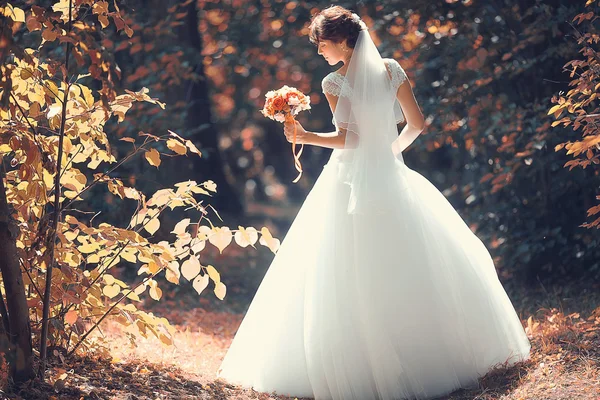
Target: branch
35, 134
104, 174
31, 279
107, 313
57, 209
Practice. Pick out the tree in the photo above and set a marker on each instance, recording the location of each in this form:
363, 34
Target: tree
578, 107
16, 323
56, 133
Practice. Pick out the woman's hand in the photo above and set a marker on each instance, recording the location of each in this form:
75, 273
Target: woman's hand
302, 135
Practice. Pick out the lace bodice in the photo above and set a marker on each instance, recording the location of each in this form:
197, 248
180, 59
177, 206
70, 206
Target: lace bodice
333, 83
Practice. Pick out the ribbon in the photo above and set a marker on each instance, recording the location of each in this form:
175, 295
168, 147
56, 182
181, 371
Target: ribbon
290, 118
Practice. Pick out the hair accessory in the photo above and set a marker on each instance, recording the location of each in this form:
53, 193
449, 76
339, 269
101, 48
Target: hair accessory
361, 23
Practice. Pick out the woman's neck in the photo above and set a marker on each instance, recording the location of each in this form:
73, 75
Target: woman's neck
347, 60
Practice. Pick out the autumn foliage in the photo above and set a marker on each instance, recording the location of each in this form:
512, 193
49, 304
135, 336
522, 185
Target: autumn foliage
101, 97
578, 108
55, 144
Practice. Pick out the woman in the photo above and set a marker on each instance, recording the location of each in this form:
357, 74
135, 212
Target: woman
379, 290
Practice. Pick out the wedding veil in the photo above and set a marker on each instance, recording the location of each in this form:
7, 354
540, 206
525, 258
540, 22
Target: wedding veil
369, 113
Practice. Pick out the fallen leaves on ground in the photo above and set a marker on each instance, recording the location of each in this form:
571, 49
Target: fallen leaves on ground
563, 325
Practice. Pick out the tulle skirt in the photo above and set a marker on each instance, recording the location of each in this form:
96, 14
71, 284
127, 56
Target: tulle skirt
402, 304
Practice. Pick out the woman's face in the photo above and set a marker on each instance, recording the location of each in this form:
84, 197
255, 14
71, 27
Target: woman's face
332, 52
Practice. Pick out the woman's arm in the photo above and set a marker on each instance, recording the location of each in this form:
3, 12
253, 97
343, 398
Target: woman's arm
415, 123
332, 140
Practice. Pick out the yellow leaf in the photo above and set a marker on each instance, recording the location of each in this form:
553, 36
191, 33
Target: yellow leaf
200, 283
210, 185
153, 157
155, 291
133, 296
203, 232
26, 74
161, 197
555, 108
111, 290
197, 246
139, 217
193, 148
152, 226
221, 238
108, 279
129, 255
246, 237
153, 267
54, 110
198, 190
14, 13
145, 256
165, 339
144, 270
71, 235
220, 290
103, 20
181, 227
268, 240
190, 268
176, 146
88, 248
172, 272
62, 6
50, 87
70, 194
87, 95
214, 274
174, 134
140, 289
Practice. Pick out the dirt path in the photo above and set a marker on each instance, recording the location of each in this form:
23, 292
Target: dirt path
565, 364
564, 330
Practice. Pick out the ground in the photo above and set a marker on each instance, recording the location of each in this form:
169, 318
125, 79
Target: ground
563, 323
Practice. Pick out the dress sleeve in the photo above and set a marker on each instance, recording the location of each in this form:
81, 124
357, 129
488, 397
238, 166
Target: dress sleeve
398, 75
331, 86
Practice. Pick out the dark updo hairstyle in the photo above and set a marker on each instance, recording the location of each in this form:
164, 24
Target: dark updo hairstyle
336, 24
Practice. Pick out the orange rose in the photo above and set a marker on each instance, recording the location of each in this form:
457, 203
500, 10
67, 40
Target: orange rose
278, 103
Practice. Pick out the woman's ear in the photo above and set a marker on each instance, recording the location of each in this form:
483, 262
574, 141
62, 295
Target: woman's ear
344, 45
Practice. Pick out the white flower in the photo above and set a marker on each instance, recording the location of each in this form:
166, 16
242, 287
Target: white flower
279, 117
293, 101
361, 23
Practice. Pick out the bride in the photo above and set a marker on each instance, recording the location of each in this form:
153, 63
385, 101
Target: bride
379, 290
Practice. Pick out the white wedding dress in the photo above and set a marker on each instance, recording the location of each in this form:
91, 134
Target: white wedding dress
413, 309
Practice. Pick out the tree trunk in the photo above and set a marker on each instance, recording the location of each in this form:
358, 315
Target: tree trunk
16, 302
201, 129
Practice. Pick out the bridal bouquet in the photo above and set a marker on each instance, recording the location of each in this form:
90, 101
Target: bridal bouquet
283, 105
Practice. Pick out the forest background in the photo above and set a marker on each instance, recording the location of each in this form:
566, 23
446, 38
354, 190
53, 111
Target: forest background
508, 90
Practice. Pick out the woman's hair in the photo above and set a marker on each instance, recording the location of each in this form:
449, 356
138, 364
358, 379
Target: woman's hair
336, 24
